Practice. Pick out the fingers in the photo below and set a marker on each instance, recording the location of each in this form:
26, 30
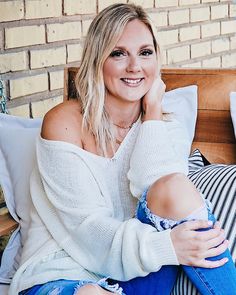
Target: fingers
211, 234
193, 247
198, 224
212, 264
217, 250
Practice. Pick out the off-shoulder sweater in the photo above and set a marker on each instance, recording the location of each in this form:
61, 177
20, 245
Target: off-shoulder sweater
82, 218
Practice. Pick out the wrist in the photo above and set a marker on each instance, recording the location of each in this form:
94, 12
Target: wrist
151, 113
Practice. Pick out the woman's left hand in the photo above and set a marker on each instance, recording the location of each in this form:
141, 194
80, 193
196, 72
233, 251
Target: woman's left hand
151, 103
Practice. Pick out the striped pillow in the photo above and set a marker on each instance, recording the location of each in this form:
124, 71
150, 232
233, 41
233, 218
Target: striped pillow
217, 182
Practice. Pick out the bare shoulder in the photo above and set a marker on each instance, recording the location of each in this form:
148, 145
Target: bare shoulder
63, 123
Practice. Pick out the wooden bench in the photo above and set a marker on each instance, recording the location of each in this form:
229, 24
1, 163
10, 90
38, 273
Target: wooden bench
214, 134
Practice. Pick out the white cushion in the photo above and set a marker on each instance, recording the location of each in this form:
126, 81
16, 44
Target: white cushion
182, 102
233, 109
17, 156
17, 152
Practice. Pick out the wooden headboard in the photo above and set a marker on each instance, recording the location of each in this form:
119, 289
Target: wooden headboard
214, 134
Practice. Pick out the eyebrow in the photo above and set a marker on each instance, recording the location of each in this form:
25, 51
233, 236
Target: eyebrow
141, 47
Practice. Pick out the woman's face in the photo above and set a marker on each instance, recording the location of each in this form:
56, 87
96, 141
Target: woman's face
131, 68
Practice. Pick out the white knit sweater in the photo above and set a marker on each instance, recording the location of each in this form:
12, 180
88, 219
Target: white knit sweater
82, 224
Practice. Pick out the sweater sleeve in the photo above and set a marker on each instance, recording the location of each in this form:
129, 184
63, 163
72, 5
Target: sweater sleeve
162, 147
70, 202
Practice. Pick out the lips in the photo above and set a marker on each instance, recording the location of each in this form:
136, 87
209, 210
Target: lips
132, 82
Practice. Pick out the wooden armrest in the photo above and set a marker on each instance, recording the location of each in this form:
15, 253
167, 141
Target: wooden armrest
7, 224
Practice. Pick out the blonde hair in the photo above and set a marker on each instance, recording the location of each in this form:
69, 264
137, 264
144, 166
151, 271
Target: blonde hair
103, 34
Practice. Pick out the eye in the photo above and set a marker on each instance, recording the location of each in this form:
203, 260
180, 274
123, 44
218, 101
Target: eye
146, 52
117, 53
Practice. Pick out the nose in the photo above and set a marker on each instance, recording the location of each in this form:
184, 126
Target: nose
133, 64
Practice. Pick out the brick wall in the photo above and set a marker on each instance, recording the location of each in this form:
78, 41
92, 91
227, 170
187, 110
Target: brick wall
39, 37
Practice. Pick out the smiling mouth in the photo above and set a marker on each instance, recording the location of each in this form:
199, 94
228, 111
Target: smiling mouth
132, 82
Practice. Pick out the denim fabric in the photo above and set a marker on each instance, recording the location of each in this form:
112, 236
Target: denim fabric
69, 287
216, 281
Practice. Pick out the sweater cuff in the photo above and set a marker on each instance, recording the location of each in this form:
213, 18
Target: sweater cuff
165, 247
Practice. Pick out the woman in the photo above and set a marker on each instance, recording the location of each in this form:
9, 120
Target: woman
83, 237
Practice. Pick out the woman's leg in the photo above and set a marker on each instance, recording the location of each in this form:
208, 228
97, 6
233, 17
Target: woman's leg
207, 279
160, 282
174, 198
92, 290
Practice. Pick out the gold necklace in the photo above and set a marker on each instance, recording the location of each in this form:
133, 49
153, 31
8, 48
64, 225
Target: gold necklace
123, 127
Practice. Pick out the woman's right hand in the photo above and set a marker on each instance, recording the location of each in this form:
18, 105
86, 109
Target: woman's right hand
193, 247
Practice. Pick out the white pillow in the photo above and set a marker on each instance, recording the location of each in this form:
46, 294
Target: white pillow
17, 153
182, 102
233, 109
17, 156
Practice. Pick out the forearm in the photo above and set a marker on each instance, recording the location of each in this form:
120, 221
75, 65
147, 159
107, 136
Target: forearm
161, 148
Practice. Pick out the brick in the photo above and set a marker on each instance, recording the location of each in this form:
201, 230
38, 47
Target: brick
56, 80
74, 52
160, 19
189, 33
229, 60
11, 10
21, 111
143, 3
233, 42
72, 7
104, 3
228, 27
220, 45
24, 36
232, 10
214, 62
188, 2
199, 14
178, 17
40, 108
197, 64
66, 31
43, 8
219, 11
200, 49
178, 54
47, 57
28, 85
163, 57
85, 26
165, 3
13, 62
168, 37
212, 29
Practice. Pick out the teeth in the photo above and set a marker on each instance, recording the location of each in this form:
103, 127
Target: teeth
129, 81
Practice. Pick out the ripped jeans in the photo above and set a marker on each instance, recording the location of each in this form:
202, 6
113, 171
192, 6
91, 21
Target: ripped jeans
216, 281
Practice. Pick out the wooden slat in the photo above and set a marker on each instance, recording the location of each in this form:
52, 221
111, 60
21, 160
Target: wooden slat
214, 86
214, 126
223, 153
7, 224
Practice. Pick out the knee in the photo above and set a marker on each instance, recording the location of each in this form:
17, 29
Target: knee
165, 189
173, 195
